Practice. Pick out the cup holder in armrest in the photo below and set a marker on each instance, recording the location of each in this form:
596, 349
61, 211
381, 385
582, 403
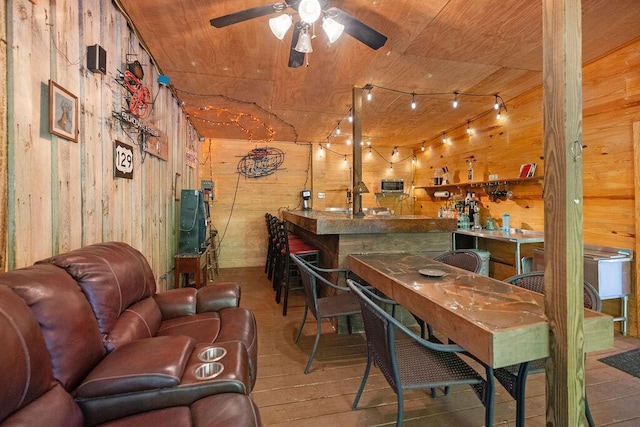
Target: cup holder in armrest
207, 371
212, 354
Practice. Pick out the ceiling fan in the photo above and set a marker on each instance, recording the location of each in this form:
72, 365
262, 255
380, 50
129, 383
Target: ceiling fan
334, 22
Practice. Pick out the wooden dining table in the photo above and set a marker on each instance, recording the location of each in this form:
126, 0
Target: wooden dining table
499, 323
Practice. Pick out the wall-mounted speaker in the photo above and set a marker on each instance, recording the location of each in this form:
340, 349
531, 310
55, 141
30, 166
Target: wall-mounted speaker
97, 59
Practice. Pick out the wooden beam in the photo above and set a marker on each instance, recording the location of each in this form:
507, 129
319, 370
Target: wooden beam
356, 111
4, 145
636, 166
562, 99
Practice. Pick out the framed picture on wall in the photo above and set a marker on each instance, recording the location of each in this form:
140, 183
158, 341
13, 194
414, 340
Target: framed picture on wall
63, 112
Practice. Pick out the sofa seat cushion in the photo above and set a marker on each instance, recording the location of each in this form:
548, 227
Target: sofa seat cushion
221, 410
55, 408
146, 364
204, 328
240, 324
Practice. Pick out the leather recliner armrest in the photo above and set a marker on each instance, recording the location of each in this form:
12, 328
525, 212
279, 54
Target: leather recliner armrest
146, 364
177, 302
188, 301
217, 296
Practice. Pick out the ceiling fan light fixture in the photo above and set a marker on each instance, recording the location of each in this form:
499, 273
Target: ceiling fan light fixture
304, 41
332, 29
309, 10
280, 25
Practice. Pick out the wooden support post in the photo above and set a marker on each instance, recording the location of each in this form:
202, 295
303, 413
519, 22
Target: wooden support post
356, 111
562, 85
636, 174
4, 144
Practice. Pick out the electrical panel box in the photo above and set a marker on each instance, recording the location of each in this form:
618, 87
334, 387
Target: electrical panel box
208, 187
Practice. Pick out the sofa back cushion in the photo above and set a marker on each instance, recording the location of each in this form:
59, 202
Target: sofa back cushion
68, 325
27, 387
113, 276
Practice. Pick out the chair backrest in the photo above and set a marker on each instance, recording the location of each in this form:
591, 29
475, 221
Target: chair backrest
309, 280
312, 276
462, 258
380, 334
282, 233
272, 226
534, 281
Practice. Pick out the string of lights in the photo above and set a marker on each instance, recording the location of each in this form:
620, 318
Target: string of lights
499, 106
235, 117
235, 120
370, 150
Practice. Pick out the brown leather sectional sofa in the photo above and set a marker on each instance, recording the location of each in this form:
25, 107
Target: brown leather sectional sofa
86, 340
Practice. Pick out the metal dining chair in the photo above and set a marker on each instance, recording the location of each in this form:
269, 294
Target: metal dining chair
323, 306
514, 378
467, 259
414, 363
462, 258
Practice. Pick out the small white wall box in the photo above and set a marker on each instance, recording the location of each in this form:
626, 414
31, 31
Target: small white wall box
97, 59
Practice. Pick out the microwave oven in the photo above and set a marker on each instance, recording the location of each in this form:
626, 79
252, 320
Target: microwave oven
392, 186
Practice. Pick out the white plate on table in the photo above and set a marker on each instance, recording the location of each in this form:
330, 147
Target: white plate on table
431, 272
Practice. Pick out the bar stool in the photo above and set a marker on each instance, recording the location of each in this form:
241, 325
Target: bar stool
273, 223
276, 228
267, 261
289, 244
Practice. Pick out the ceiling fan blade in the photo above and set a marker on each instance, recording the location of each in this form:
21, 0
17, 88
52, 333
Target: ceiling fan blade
245, 15
357, 29
296, 59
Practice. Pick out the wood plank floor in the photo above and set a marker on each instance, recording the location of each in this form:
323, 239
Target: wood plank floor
286, 396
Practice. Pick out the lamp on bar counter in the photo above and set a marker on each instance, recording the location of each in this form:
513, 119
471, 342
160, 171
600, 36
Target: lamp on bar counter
359, 189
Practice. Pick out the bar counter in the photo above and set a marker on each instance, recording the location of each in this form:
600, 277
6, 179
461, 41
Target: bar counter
338, 234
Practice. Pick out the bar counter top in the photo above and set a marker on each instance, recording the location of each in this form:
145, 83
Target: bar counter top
323, 223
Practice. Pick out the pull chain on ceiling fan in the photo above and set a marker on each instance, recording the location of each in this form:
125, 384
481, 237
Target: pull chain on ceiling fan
334, 23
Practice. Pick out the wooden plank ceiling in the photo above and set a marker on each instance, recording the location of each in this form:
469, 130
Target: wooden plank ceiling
235, 82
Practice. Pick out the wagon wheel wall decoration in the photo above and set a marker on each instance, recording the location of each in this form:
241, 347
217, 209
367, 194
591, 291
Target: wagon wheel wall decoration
261, 162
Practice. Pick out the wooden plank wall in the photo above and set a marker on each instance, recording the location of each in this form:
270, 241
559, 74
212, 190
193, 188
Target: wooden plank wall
240, 203
63, 195
611, 103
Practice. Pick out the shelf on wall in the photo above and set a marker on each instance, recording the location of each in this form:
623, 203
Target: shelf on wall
484, 185
480, 183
